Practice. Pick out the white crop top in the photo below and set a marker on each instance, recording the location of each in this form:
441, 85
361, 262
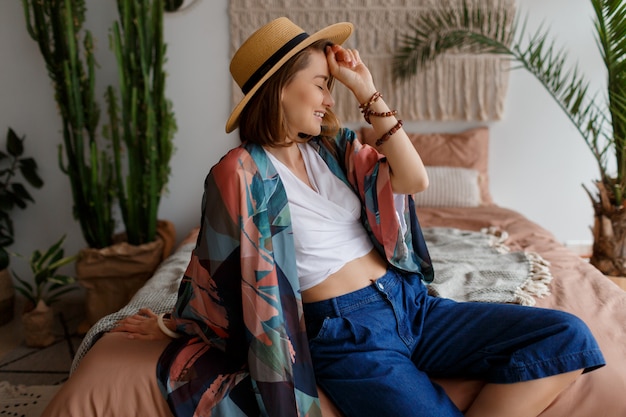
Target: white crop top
326, 221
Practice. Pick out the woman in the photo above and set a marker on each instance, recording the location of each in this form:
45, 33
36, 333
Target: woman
304, 222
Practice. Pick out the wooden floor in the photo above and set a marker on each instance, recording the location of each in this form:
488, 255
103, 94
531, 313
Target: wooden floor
621, 281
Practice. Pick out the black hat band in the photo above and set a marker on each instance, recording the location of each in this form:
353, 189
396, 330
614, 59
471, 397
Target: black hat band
271, 61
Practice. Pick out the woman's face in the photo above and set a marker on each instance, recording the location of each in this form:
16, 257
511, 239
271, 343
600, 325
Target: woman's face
307, 97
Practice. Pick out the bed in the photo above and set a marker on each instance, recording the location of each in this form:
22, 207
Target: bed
115, 376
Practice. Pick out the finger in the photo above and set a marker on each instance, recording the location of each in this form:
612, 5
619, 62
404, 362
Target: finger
357, 56
330, 57
140, 336
345, 56
339, 53
135, 320
135, 317
123, 327
146, 312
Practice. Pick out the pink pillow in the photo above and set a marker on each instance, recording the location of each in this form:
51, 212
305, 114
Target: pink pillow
468, 149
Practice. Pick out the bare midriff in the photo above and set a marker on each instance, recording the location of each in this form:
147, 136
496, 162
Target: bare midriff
355, 275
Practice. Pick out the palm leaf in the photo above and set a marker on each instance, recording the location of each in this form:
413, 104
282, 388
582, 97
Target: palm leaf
610, 28
601, 121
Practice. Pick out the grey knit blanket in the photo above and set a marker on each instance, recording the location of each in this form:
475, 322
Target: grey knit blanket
469, 266
478, 266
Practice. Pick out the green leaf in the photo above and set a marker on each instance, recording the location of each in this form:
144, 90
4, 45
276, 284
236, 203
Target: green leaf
41, 277
62, 261
6, 201
25, 287
471, 28
6, 230
53, 252
35, 256
54, 295
28, 295
28, 168
16, 199
15, 145
61, 279
21, 192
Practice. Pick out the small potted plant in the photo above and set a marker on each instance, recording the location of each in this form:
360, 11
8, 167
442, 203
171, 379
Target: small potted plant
14, 167
46, 288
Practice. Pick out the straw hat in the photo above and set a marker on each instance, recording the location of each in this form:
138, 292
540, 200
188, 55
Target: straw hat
267, 49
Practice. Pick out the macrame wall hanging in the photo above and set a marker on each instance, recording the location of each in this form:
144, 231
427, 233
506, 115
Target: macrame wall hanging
457, 87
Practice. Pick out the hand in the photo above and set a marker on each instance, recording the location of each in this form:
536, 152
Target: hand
346, 66
142, 325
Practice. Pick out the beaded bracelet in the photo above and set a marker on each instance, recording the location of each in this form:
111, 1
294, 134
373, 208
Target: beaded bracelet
166, 330
367, 113
372, 100
387, 135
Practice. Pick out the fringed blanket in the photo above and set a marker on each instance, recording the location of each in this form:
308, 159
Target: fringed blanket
469, 266
478, 266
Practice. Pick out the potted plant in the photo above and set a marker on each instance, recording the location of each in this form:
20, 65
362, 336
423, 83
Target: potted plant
135, 171
141, 128
599, 118
13, 195
56, 26
142, 139
47, 286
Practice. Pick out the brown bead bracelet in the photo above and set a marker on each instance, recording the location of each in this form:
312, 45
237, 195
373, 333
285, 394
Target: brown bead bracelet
387, 135
365, 106
368, 113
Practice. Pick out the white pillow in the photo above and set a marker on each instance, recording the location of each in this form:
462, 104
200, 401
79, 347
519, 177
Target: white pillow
450, 187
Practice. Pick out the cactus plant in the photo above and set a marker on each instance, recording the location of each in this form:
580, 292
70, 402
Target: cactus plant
141, 127
56, 26
144, 123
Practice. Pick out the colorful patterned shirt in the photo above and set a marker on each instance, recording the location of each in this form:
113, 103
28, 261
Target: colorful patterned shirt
245, 350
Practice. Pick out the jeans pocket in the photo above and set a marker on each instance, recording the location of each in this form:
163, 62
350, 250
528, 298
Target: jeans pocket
314, 327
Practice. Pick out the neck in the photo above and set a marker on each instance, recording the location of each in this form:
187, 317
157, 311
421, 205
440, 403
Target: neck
288, 155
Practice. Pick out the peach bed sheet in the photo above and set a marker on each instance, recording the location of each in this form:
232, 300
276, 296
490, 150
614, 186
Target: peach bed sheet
117, 376
577, 287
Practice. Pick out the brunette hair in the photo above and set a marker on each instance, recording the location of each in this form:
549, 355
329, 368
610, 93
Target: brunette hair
262, 120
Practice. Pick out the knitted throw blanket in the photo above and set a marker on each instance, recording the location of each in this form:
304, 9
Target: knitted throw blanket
478, 266
455, 87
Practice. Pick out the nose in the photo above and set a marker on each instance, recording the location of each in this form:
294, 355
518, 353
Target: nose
329, 101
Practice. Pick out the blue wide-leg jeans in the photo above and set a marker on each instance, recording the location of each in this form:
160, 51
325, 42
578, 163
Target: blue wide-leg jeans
374, 350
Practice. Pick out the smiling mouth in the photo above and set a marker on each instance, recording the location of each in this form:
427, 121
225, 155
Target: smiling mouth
319, 114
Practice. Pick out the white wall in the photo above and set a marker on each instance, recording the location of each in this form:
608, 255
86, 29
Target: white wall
537, 163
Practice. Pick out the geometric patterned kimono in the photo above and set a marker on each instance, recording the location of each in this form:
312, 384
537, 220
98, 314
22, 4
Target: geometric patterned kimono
244, 351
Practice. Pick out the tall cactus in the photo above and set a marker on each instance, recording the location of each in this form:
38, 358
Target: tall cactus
146, 125
55, 25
